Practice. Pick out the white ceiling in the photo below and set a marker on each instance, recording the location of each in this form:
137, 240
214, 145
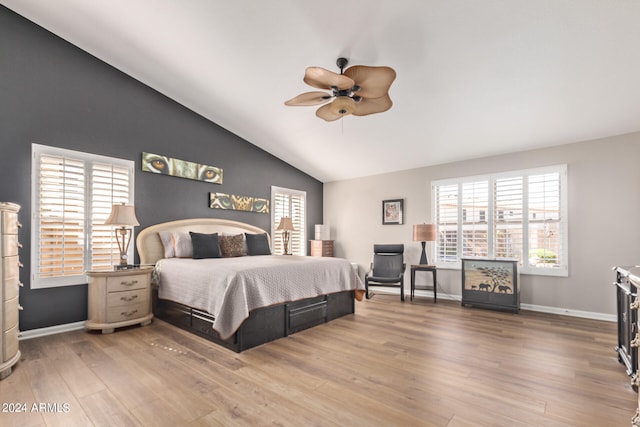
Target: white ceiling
474, 77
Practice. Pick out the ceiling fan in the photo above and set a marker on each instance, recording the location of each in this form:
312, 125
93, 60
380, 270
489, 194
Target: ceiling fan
359, 90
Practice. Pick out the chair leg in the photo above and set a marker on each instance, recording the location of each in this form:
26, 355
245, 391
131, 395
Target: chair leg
402, 289
366, 288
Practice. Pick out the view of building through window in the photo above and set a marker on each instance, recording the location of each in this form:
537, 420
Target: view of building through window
518, 215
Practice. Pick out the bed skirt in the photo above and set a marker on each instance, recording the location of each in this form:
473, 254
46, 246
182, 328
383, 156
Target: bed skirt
263, 324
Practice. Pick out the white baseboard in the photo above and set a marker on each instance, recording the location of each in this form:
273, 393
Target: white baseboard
570, 312
531, 307
51, 330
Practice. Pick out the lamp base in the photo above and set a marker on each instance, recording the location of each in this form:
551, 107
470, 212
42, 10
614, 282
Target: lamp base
285, 242
423, 256
126, 267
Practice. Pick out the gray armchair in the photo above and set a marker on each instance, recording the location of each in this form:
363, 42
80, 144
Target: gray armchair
387, 268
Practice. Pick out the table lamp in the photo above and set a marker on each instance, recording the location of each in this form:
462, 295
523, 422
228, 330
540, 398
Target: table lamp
125, 217
424, 233
286, 226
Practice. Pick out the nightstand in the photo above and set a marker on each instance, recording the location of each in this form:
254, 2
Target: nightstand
119, 298
322, 248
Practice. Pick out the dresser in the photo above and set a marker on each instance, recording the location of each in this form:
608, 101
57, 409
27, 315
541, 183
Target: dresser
119, 298
322, 248
10, 275
626, 292
627, 285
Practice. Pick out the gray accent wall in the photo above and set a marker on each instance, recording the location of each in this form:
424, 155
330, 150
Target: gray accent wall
604, 219
53, 93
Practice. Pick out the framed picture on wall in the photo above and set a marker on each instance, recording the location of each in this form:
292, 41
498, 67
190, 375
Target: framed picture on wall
392, 211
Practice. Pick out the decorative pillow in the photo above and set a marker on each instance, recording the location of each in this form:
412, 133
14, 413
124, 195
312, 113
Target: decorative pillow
182, 244
205, 245
167, 242
232, 246
258, 244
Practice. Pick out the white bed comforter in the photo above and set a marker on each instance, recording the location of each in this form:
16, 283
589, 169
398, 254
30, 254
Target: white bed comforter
229, 288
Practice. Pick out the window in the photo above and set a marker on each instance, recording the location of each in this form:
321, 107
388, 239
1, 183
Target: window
72, 196
520, 214
291, 203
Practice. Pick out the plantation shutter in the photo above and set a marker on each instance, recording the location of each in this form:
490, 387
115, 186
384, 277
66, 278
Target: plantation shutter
475, 205
546, 224
518, 215
109, 185
509, 217
62, 218
446, 213
72, 197
289, 203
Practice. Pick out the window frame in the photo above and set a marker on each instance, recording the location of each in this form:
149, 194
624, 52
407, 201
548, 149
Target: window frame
491, 218
301, 228
89, 160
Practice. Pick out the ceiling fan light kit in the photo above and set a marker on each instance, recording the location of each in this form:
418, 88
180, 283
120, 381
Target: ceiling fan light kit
359, 90
343, 105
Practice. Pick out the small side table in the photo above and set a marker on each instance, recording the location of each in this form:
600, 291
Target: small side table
423, 267
119, 298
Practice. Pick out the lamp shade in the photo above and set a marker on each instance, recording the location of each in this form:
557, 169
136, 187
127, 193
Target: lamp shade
322, 232
424, 232
122, 215
285, 224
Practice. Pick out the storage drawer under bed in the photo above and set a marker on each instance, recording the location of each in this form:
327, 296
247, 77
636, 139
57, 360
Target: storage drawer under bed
264, 324
305, 314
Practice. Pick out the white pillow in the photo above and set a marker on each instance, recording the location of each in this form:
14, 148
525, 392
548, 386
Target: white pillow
167, 241
182, 244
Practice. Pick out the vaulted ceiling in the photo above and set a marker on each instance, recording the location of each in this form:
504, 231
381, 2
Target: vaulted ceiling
474, 77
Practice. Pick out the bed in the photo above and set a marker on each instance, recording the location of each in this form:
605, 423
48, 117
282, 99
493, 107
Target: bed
241, 302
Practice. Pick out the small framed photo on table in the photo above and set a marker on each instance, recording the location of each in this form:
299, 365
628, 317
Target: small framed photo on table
392, 211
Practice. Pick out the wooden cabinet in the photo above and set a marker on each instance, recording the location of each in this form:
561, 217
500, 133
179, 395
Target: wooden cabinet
119, 298
10, 285
322, 248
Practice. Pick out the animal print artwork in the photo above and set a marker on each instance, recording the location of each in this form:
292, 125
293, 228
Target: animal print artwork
164, 165
238, 203
489, 276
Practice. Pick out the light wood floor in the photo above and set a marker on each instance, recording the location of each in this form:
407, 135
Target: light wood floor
393, 363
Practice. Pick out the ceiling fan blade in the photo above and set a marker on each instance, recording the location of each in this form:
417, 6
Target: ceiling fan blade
309, 98
368, 106
326, 113
374, 82
324, 79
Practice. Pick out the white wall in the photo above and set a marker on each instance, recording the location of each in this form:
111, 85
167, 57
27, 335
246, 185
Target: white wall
604, 218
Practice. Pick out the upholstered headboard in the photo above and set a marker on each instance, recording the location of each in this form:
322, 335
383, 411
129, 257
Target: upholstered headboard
150, 246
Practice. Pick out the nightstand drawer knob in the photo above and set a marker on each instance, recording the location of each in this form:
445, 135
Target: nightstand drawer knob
20, 264
131, 298
19, 245
128, 313
131, 283
19, 224
20, 308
